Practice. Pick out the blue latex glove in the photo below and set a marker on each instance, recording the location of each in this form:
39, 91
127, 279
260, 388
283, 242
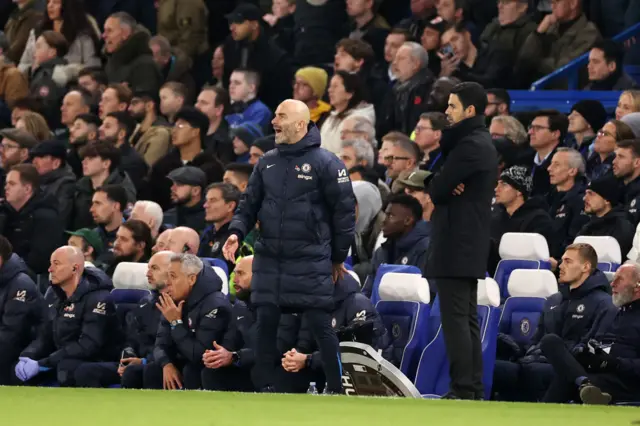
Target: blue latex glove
26, 369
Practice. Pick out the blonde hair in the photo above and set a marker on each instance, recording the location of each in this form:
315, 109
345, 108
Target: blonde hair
36, 125
635, 97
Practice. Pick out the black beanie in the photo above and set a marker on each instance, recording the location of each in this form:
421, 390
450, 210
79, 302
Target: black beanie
265, 144
593, 112
608, 187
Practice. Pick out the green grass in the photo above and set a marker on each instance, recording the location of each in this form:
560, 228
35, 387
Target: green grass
96, 407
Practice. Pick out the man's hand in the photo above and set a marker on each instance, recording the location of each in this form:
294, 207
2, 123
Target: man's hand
125, 362
217, 358
270, 19
338, 271
230, 248
546, 23
171, 378
554, 263
26, 369
448, 65
168, 308
294, 361
459, 189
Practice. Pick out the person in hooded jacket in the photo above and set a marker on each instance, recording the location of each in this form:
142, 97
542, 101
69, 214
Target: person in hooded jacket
81, 327
21, 309
195, 314
369, 222
29, 219
601, 202
517, 211
584, 294
407, 235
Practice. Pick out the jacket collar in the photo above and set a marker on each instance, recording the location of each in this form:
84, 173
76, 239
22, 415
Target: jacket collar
452, 135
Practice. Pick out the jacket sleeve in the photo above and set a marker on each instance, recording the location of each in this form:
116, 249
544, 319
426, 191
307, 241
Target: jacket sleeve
462, 163
215, 315
163, 345
93, 335
246, 214
146, 77
42, 345
47, 236
19, 38
83, 51
159, 141
338, 197
27, 55
23, 304
65, 202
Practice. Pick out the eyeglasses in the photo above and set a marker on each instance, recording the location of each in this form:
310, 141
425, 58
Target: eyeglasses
8, 146
422, 128
602, 133
536, 128
391, 159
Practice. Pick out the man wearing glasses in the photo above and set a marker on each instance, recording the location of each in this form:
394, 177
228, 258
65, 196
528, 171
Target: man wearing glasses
14, 148
547, 130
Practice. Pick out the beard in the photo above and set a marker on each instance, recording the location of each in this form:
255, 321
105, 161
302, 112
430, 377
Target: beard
125, 258
139, 117
623, 298
243, 295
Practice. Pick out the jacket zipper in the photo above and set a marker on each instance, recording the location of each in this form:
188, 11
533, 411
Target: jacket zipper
284, 196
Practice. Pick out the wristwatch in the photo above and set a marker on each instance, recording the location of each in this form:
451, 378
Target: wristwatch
307, 362
235, 358
175, 323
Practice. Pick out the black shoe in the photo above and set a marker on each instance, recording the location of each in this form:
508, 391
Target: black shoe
592, 395
479, 396
268, 389
327, 391
455, 395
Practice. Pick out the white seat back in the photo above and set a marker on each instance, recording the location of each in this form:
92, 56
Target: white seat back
379, 241
523, 246
130, 275
610, 276
395, 286
355, 277
532, 283
607, 248
488, 292
225, 281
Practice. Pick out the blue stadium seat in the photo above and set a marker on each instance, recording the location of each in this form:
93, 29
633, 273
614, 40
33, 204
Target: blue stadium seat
633, 71
386, 268
214, 261
520, 251
607, 249
404, 308
122, 296
348, 262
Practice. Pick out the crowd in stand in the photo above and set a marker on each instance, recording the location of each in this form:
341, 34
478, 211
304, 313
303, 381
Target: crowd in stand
131, 134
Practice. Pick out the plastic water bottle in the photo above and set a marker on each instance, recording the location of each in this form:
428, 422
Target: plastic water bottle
313, 390
325, 391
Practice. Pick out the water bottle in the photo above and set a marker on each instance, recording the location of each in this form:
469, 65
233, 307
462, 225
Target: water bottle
325, 391
312, 389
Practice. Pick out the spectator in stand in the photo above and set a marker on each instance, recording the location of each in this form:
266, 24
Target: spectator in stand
152, 136
77, 101
367, 25
187, 197
69, 18
438, 99
369, 222
357, 152
454, 13
29, 219
34, 124
626, 167
13, 83
606, 67
116, 129
116, 97
428, 134
309, 87
506, 126
15, 145
586, 118
185, 25
84, 130
608, 218
422, 11
173, 96
259, 148
406, 102
561, 37
396, 38
183, 240
21, 21
600, 161
414, 185
175, 65
509, 30
498, 104
404, 156
94, 81
107, 209
238, 174
23, 105
244, 136
407, 237
214, 103
519, 212
546, 132
56, 179
149, 213
628, 102
359, 127
612, 17
346, 96
250, 48
245, 106
163, 240
282, 23
100, 166
430, 40
217, 67
22, 308
90, 245
130, 60
566, 199
318, 26
133, 244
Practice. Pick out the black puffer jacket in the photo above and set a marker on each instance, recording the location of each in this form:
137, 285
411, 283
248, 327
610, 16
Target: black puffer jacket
61, 185
614, 224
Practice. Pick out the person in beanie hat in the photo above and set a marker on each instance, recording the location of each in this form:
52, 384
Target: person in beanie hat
260, 147
517, 211
586, 119
89, 241
243, 137
608, 217
633, 121
430, 40
309, 87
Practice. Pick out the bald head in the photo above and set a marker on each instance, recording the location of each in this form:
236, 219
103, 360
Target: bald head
291, 121
158, 268
161, 241
67, 265
183, 240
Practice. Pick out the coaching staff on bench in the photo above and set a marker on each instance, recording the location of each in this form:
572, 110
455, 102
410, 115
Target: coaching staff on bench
302, 197
462, 192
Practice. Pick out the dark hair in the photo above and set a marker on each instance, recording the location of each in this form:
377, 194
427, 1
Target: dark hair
358, 49
123, 93
410, 203
85, 95
90, 119
367, 173
116, 194
75, 22
141, 233
196, 119
352, 84
587, 254
178, 89
222, 98
558, 122
437, 119
6, 249
502, 96
56, 41
403, 32
613, 51
623, 131
250, 76
230, 194
28, 103
243, 169
632, 144
104, 150
28, 175
95, 73
458, 27
471, 94
125, 122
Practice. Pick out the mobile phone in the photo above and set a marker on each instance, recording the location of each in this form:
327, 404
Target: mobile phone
447, 51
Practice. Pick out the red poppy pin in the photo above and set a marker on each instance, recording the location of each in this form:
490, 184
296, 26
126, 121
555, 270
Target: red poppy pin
417, 100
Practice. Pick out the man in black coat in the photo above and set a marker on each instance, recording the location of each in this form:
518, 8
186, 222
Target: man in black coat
21, 308
462, 192
303, 198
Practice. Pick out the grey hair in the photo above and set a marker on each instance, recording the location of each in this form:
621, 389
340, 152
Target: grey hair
575, 160
418, 52
191, 264
364, 125
162, 43
125, 20
513, 129
154, 210
363, 149
636, 270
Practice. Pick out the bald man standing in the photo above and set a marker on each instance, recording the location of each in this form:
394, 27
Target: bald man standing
83, 328
302, 196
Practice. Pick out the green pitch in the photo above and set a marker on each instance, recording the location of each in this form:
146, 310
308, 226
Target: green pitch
89, 407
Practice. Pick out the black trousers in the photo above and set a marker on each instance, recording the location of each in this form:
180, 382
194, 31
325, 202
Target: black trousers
152, 376
513, 381
231, 378
133, 377
459, 312
97, 375
564, 387
268, 356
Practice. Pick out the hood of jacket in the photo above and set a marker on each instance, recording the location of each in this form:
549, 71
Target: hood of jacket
309, 141
11, 268
419, 232
344, 288
207, 282
93, 279
596, 282
135, 46
369, 204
